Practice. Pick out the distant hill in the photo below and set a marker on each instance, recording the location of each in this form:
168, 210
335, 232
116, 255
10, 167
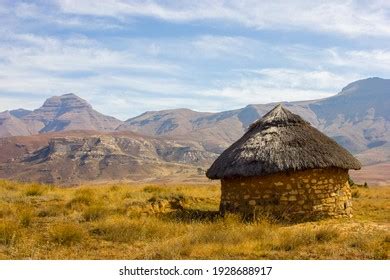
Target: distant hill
358, 118
11, 125
79, 156
58, 113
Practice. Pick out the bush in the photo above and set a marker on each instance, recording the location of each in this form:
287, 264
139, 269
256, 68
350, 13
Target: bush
8, 185
34, 190
118, 229
82, 197
290, 240
66, 234
8, 232
350, 181
355, 194
153, 189
359, 242
50, 211
326, 234
115, 188
25, 217
94, 213
5, 211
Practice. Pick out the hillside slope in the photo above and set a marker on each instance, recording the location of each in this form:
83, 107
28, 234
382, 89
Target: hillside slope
75, 157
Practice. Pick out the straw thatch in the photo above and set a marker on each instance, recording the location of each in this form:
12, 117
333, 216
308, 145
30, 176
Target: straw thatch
280, 141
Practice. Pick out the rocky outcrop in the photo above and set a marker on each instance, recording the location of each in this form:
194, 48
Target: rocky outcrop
102, 157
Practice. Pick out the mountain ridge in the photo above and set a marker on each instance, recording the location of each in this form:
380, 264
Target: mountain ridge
357, 124
196, 138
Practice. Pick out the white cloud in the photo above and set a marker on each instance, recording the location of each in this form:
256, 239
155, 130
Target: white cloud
73, 54
352, 18
39, 65
277, 84
3, 9
216, 46
378, 59
317, 80
44, 15
26, 10
368, 62
15, 102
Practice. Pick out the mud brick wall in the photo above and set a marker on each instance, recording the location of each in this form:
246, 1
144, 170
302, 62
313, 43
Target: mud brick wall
308, 194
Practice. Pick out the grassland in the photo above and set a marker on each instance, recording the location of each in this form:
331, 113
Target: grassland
129, 221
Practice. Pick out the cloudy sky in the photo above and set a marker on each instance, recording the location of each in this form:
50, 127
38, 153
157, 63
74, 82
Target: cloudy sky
126, 57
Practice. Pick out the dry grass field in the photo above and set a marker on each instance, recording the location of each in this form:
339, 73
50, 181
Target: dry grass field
130, 221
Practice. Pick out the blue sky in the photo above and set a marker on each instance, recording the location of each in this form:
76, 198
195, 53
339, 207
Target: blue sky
127, 57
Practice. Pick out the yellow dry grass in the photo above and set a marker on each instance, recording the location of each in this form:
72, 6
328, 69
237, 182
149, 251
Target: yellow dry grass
130, 221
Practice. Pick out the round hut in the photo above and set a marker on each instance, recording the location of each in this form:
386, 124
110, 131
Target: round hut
285, 167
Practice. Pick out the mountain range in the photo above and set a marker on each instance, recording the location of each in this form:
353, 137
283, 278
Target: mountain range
357, 117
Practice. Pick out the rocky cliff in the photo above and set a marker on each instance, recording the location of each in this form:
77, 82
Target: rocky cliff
101, 157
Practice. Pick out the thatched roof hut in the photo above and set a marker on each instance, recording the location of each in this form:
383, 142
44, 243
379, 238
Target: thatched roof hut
284, 165
280, 141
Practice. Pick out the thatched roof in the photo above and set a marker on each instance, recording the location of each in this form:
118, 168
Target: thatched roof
280, 141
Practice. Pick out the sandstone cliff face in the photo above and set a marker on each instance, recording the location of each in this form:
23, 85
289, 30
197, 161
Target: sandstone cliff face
70, 160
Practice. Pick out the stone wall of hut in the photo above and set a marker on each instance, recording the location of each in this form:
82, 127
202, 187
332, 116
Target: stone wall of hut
305, 195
